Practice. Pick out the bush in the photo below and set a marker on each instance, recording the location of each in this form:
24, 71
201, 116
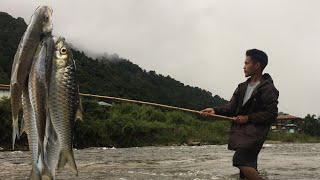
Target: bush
127, 125
284, 136
312, 125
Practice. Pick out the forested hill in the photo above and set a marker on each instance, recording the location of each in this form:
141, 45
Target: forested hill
110, 75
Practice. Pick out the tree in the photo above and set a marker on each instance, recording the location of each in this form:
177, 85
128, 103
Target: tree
312, 125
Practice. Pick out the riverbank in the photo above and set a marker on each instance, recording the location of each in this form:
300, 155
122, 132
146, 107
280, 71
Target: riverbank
273, 139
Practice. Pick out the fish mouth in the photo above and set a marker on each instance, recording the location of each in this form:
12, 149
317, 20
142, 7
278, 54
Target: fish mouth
50, 8
45, 7
58, 39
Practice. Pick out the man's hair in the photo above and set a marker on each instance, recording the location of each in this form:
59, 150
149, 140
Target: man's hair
258, 56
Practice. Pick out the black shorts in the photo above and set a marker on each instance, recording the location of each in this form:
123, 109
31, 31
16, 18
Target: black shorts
245, 158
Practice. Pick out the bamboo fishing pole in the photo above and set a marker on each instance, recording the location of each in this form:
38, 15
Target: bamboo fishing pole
153, 104
142, 102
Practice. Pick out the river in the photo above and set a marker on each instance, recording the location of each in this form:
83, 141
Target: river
276, 161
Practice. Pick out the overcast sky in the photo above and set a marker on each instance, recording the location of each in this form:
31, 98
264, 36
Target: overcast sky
200, 42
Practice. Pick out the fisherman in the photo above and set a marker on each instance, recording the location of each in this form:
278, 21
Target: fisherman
253, 107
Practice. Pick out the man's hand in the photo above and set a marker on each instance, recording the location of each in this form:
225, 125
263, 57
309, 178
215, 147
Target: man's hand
207, 112
240, 119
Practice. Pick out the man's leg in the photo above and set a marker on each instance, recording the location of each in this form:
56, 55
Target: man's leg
246, 161
250, 173
242, 176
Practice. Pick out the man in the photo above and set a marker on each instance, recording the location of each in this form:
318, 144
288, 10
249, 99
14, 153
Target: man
254, 107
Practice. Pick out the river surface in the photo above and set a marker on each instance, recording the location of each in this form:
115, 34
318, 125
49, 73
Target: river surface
276, 161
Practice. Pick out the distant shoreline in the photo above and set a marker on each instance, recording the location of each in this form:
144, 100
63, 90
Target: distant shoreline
8, 148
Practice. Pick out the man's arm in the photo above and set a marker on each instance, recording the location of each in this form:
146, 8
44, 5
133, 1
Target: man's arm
230, 108
270, 100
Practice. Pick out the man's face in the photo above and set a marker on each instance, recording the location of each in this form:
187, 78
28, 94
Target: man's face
250, 67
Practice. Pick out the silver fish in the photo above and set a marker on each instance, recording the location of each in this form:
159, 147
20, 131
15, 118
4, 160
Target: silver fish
64, 101
40, 24
30, 128
38, 88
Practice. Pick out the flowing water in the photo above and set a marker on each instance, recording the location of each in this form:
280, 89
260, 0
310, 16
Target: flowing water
276, 161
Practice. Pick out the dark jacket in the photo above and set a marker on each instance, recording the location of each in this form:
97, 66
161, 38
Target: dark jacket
261, 109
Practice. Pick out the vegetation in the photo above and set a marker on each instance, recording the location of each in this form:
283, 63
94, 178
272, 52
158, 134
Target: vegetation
286, 137
127, 125
11, 31
6, 128
312, 125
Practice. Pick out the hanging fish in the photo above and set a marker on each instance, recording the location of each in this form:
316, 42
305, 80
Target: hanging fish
39, 26
64, 101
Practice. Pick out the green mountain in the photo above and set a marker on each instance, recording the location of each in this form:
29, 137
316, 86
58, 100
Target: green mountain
109, 75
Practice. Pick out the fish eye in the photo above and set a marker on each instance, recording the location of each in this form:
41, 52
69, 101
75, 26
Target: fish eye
46, 18
63, 50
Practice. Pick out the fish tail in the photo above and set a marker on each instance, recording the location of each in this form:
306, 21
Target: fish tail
66, 157
15, 132
35, 175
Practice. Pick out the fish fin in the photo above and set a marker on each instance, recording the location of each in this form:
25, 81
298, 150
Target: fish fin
50, 135
66, 157
40, 160
42, 163
22, 127
79, 114
15, 66
75, 65
16, 94
15, 132
46, 174
35, 175
45, 177
50, 162
14, 82
49, 44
